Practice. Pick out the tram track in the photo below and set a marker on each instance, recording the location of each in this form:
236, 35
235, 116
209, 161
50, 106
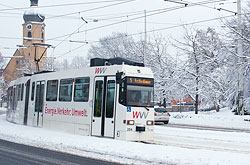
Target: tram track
197, 139
223, 129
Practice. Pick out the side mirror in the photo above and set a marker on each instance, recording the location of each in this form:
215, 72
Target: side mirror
119, 77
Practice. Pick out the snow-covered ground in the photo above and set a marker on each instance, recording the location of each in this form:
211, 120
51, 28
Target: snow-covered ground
177, 152
224, 118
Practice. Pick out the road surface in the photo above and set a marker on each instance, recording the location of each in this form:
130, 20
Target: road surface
18, 154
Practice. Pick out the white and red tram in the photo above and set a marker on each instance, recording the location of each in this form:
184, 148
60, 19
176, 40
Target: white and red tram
112, 98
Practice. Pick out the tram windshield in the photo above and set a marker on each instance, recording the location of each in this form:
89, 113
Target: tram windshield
137, 92
139, 96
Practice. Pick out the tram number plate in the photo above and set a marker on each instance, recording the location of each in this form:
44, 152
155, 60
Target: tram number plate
129, 129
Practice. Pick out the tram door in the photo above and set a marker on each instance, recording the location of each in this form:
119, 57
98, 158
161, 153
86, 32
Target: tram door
103, 122
38, 115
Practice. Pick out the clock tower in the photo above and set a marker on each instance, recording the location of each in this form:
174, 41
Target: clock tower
29, 57
33, 27
34, 36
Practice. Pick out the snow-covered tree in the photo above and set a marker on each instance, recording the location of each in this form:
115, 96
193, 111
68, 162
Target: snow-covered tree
232, 60
78, 62
115, 45
200, 74
163, 66
2, 82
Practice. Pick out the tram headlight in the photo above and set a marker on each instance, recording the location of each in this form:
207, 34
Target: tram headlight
130, 122
150, 122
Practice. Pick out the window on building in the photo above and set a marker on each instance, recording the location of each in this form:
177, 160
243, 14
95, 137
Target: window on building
42, 36
29, 35
52, 87
81, 90
65, 91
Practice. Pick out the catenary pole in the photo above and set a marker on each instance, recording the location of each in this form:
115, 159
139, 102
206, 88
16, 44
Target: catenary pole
240, 60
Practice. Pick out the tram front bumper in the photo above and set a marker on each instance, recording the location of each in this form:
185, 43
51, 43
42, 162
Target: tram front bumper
141, 133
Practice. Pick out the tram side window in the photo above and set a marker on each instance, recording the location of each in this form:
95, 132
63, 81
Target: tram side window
110, 99
33, 91
65, 92
81, 90
15, 97
19, 92
22, 92
122, 93
52, 87
10, 98
98, 98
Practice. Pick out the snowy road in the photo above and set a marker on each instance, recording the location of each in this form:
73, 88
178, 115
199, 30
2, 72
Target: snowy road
18, 154
177, 145
203, 139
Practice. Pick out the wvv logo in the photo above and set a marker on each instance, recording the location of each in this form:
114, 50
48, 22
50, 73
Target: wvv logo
140, 114
100, 70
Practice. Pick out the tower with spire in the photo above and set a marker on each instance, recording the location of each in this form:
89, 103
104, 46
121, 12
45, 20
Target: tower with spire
26, 55
33, 27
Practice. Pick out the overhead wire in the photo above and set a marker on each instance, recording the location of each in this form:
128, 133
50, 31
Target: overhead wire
62, 5
150, 31
173, 8
194, 4
160, 11
101, 7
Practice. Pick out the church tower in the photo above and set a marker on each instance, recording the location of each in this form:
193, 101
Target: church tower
29, 56
33, 27
34, 35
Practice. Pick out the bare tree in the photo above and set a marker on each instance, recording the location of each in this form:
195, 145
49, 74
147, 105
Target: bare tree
78, 62
199, 74
231, 59
163, 66
2, 82
115, 45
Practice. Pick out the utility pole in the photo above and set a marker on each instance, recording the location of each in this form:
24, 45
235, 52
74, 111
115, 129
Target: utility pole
145, 36
240, 60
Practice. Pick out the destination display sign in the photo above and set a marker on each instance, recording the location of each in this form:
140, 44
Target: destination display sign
140, 81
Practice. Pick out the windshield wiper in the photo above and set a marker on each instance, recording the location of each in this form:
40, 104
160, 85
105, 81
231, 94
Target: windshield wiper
146, 108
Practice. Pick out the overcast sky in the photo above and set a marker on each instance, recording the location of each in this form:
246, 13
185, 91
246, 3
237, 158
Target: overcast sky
64, 17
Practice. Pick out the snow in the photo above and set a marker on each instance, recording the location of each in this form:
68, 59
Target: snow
224, 118
234, 146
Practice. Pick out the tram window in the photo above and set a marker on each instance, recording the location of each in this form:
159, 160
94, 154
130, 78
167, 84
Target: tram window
65, 92
110, 99
52, 87
22, 92
98, 98
81, 90
140, 96
33, 91
15, 97
18, 93
122, 93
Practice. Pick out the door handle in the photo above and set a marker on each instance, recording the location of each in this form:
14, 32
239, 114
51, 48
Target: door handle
93, 120
112, 121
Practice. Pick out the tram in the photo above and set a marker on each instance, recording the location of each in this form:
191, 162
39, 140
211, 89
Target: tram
112, 98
